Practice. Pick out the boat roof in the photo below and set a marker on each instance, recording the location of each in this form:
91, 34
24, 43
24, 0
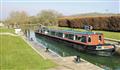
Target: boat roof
75, 32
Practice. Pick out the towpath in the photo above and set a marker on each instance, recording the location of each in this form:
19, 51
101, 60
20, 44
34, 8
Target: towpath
7, 33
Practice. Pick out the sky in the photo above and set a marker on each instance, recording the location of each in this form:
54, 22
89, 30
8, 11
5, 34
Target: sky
66, 7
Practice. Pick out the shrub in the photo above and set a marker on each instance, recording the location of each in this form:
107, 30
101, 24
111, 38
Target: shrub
109, 23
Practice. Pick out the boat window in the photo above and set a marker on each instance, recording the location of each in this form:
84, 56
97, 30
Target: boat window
77, 37
83, 39
43, 31
66, 35
89, 39
71, 36
49, 32
100, 38
52, 33
60, 34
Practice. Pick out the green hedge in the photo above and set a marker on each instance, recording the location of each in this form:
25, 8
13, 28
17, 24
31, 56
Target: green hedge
109, 23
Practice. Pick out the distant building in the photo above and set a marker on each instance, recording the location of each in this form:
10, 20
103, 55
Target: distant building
17, 31
1, 25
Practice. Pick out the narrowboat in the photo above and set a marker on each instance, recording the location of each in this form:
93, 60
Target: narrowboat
88, 41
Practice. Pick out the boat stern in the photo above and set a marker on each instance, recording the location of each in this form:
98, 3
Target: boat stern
105, 50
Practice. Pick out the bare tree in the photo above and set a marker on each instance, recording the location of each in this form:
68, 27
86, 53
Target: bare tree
18, 18
48, 17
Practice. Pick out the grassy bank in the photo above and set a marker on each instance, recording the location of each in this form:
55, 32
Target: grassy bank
7, 30
107, 34
16, 54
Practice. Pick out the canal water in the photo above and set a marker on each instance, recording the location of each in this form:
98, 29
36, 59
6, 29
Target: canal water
108, 63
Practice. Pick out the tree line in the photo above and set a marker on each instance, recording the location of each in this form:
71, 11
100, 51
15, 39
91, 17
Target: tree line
21, 19
54, 18
109, 23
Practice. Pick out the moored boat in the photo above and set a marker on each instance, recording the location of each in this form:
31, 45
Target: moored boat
90, 42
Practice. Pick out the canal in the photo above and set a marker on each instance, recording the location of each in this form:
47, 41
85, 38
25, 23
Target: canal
112, 62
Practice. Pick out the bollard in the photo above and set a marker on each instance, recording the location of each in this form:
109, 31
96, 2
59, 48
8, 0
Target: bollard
31, 39
77, 59
47, 49
63, 54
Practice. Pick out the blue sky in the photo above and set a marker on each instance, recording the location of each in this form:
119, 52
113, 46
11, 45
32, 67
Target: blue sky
32, 7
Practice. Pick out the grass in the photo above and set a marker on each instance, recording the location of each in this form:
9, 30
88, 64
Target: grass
107, 34
7, 30
112, 35
16, 54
